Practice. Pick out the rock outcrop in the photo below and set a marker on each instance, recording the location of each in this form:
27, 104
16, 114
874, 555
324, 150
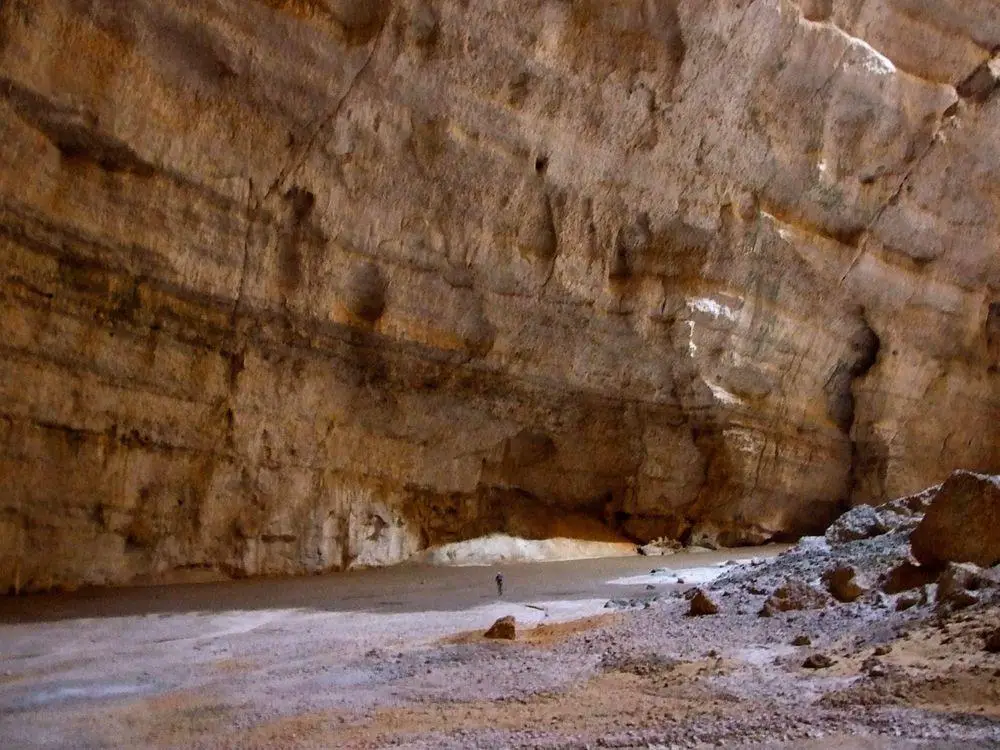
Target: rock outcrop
291, 286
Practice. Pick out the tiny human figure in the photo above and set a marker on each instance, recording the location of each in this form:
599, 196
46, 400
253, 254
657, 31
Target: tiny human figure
499, 580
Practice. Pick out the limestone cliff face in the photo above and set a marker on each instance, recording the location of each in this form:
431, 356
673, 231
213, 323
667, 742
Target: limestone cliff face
294, 285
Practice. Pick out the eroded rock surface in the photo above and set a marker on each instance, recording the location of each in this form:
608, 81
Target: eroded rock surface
291, 286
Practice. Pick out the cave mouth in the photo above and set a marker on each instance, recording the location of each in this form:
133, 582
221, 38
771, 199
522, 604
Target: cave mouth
509, 524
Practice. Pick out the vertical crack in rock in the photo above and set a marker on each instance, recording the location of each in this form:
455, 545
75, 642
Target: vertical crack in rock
324, 123
868, 454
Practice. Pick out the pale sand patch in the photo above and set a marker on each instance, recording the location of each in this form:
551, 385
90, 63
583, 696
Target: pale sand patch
502, 548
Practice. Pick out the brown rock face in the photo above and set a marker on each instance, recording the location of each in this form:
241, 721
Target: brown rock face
962, 523
290, 286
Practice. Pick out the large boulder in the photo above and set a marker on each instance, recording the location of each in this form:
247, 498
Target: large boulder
962, 523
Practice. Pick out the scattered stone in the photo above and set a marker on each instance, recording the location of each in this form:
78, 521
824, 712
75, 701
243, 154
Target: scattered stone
802, 640
842, 584
503, 629
862, 522
818, 661
992, 642
883, 650
867, 522
907, 601
659, 547
702, 604
874, 668
650, 587
962, 523
794, 595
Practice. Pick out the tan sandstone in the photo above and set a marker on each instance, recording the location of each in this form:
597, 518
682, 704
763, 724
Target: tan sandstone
291, 286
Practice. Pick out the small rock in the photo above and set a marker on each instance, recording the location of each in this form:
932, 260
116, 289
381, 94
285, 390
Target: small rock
883, 650
702, 604
842, 584
874, 668
956, 584
650, 587
802, 640
817, 661
862, 522
503, 629
992, 642
907, 601
792, 595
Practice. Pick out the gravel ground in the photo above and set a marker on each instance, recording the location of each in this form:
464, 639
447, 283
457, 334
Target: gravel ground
388, 661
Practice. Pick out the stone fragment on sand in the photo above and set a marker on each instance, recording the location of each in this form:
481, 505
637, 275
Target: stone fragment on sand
817, 661
992, 642
883, 650
962, 523
907, 601
842, 583
802, 640
702, 604
503, 629
793, 595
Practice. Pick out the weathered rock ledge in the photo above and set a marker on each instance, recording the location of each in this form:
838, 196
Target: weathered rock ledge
292, 285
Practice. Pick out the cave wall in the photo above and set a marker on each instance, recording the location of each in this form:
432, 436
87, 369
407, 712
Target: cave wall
288, 286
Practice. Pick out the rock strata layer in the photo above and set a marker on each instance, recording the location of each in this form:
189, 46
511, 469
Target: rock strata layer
290, 286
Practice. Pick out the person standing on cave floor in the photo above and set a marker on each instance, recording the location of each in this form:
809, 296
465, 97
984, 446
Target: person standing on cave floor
499, 580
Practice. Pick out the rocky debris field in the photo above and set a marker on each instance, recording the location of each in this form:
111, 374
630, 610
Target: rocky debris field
843, 641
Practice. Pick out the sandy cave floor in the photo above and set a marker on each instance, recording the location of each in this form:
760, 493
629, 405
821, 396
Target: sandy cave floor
394, 658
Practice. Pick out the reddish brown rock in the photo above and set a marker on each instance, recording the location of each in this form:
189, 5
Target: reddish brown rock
962, 523
842, 583
503, 629
702, 604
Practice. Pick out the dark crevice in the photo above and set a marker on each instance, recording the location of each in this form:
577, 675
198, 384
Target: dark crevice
868, 453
